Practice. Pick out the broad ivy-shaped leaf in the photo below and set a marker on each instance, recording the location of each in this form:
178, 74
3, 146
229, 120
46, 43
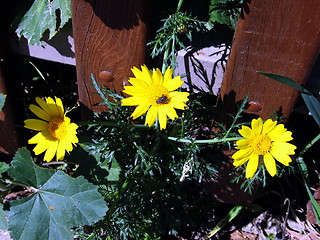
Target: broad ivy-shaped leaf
59, 202
42, 16
3, 220
2, 100
3, 167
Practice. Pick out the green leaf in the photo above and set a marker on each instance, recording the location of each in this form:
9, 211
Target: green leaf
312, 103
2, 100
313, 106
3, 167
225, 12
315, 205
285, 80
3, 220
42, 16
59, 202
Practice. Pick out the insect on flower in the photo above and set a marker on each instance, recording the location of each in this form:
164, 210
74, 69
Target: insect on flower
162, 99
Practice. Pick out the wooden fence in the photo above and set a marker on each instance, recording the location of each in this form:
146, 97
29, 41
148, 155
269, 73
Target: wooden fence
280, 37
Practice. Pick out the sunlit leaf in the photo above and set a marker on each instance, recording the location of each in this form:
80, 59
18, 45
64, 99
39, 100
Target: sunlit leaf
312, 103
58, 203
44, 15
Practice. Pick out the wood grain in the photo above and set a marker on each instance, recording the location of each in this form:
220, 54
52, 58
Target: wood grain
279, 37
109, 36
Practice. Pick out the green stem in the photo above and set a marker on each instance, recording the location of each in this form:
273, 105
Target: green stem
244, 102
231, 215
179, 5
13, 182
112, 124
120, 193
309, 145
207, 141
165, 56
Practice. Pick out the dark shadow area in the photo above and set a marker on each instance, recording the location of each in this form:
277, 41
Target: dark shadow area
122, 14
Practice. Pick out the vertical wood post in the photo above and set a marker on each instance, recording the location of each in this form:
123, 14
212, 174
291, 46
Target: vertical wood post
110, 38
279, 37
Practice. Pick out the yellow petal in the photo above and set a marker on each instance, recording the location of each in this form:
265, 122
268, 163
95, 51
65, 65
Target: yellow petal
169, 110
178, 105
241, 161
256, 126
136, 82
61, 150
243, 143
132, 101
59, 106
167, 76
135, 91
283, 147
43, 104
179, 96
151, 116
281, 137
268, 126
252, 165
270, 164
243, 153
144, 74
173, 84
140, 109
282, 158
51, 151
278, 130
157, 77
35, 124
246, 132
52, 107
162, 119
39, 112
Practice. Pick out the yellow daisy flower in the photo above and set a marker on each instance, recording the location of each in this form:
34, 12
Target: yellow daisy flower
263, 141
57, 133
154, 93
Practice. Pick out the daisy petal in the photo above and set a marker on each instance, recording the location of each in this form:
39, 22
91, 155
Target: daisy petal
35, 124
243, 153
140, 109
252, 165
270, 164
283, 147
256, 126
169, 110
51, 151
162, 119
151, 116
39, 112
246, 132
268, 126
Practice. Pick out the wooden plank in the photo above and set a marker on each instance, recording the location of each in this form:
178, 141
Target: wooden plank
109, 36
9, 139
279, 37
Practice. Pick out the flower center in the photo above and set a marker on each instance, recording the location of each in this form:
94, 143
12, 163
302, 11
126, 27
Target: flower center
157, 94
261, 144
57, 128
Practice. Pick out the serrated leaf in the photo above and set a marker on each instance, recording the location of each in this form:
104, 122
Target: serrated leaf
224, 12
42, 16
2, 100
3, 220
59, 202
